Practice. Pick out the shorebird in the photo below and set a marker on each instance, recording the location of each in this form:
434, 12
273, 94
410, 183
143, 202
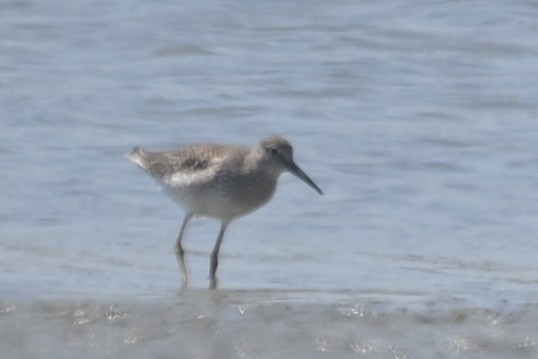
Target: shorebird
224, 182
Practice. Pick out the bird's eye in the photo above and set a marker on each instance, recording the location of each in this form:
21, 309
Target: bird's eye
274, 151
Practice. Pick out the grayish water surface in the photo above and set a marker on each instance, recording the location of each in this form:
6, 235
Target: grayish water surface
419, 120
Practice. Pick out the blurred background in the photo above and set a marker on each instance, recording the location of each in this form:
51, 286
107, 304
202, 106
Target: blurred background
417, 119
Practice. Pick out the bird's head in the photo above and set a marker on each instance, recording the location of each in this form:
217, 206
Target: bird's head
278, 154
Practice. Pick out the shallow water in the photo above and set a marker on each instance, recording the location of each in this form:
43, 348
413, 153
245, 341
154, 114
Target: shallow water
417, 120
268, 324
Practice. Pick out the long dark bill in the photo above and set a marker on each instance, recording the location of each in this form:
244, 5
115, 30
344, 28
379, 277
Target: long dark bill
297, 171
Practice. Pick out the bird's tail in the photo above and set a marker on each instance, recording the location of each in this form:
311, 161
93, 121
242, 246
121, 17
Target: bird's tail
137, 156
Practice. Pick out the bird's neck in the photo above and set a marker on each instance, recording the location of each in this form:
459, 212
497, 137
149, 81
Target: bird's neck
256, 162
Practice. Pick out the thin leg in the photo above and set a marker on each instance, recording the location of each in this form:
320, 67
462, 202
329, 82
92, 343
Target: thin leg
215, 257
180, 253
